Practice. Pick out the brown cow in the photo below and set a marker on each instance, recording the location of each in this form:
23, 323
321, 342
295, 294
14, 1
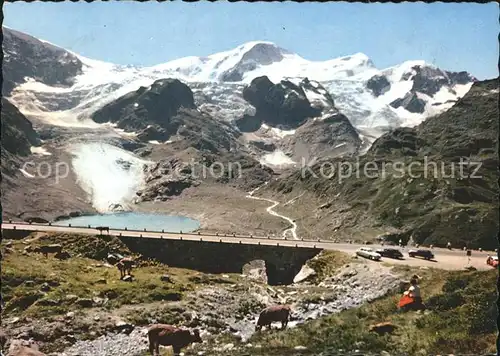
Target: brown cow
168, 335
55, 248
125, 266
278, 313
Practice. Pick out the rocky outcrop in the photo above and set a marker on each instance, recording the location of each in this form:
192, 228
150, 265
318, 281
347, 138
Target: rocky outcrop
378, 84
403, 140
284, 104
430, 80
410, 102
259, 54
18, 134
157, 105
332, 136
28, 57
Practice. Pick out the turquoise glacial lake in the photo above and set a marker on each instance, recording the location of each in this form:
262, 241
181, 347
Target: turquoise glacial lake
134, 221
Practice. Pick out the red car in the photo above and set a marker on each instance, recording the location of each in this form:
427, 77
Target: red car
492, 261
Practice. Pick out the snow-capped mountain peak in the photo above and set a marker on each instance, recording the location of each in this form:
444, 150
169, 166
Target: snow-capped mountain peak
404, 94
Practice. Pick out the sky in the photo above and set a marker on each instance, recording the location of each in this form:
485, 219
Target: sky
453, 36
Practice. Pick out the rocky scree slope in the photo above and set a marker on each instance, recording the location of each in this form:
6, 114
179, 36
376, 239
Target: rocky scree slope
431, 208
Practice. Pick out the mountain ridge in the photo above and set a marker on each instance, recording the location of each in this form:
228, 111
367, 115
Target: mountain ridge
406, 94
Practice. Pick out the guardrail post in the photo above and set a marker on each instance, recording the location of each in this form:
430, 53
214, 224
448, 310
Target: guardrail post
140, 235
120, 234
163, 230
220, 240
181, 232
181, 238
201, 239
234, 235
259, 243
199, 233
50, 224
296, 245
10, 221
314, 246
69, 225
14, 227
240, 242
125, 228
277, 243
30, 222
251, 236
216, 234
144, 229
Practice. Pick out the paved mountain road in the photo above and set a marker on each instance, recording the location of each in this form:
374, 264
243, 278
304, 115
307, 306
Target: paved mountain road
444, 258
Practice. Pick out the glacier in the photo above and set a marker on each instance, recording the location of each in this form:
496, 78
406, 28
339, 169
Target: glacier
218, 80
109, 175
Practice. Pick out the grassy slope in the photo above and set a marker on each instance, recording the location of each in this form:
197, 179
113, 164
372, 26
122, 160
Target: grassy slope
462, 303
86, 276
435, 208
462, 320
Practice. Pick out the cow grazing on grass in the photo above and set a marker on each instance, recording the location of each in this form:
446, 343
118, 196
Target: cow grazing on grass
45, 250
125, 266
102, 228
277, 313
168, 335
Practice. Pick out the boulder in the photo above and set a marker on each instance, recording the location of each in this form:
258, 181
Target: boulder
71, 298
305, 273
166, 278
45, 287
84, 302
123, 327
127, 278
383, 328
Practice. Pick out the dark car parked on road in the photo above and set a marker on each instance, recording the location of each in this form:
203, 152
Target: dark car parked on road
390, 252
428, 255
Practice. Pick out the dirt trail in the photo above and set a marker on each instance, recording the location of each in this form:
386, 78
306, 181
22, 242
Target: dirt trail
293, 230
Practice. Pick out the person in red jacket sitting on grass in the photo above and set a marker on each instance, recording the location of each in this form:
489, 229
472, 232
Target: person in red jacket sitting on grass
412, 299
